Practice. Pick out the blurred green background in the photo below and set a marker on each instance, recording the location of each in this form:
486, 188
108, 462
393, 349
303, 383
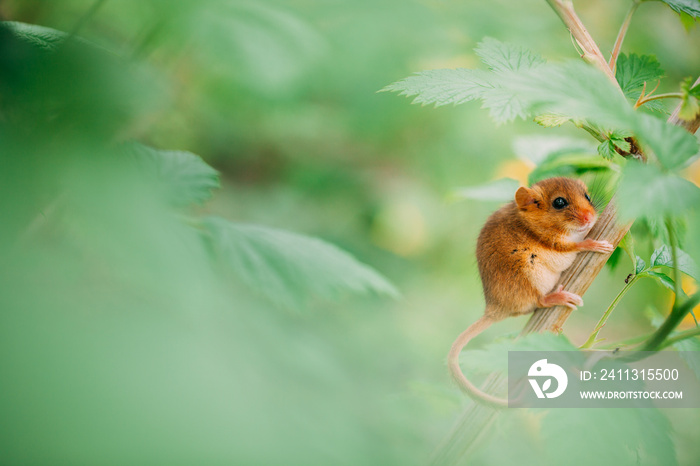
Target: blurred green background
121, 344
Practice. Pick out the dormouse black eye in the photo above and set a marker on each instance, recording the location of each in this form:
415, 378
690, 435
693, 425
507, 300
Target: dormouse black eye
559, 203
588, 198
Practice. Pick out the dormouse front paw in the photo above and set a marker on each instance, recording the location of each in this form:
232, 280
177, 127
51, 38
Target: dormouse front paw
595, 246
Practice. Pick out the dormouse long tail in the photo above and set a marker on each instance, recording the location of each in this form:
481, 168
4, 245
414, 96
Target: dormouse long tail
453, 364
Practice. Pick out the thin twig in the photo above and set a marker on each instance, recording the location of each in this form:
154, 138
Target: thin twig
669, 95
621, 36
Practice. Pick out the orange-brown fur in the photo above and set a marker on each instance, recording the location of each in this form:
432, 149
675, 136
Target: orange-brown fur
522, 250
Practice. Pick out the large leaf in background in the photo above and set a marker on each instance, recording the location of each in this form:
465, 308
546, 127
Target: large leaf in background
499, 56
268, 47
536, 149
673, 145
634, 71
443, 87
521, 85
690, 7
621, 436
183, 177
501, 190
288, 268
39, 36
646, 191
570, 164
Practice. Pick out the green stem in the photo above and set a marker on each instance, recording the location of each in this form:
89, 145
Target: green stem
600, 137
677, 314
601, 323
674, 256
693, 332
669, 95
621, 36
626, 342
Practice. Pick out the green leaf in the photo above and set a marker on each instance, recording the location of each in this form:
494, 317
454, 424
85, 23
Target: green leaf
619, 139
673, 145
646, 191
627, 245
689, 7
606, 149
537, 149
662, 278
634, 70
690, 344
288, 268
39, 36
183, 176
640, 265
690, 106
630, 436
499, 56
551, 120
443, 87
568, 164
572, 89
501, 190
520, 86
663, 257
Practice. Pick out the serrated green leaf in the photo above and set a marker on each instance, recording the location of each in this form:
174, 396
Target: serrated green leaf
689, 7
663, 257
39, 36
673, 145
501, 190
573, 90
640, 265
646, 191
606, 149
618, 138
500, 56
288, 268
694, 90
443, 87
183, 176
634, 70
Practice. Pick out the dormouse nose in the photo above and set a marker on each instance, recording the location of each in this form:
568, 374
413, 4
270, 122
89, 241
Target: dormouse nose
587, 216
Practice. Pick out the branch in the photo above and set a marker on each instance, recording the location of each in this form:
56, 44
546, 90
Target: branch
591, 52
475, 421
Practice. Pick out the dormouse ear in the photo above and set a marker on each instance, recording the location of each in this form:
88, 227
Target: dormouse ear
525, 198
